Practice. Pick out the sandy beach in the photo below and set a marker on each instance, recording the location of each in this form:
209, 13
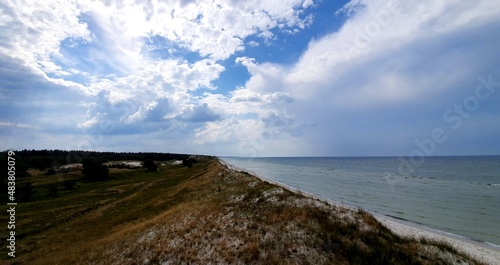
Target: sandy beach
481, 251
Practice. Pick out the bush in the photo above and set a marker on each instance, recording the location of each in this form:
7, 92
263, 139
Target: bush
150, 165
189, 162
94, 171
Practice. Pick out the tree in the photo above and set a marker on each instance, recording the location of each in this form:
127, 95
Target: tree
40, 162
94, 171
189, 162
150, 165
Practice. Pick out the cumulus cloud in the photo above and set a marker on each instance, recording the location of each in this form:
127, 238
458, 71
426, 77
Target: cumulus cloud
253, 44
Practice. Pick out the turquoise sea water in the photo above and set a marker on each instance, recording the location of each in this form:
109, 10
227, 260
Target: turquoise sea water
458, 195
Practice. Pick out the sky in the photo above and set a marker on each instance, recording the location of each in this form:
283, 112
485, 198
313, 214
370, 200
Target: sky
252, 78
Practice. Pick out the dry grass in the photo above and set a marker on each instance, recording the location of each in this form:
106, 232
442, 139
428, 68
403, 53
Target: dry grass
212, 215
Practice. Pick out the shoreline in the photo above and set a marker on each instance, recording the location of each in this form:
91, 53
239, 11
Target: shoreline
482, 251
479, 250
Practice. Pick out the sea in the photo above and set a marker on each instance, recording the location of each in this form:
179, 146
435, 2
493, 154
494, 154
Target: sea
457, 195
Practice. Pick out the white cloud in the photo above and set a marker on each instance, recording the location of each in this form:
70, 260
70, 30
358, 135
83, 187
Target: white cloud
219, 132
265, 77
253, 44
218, 29
117, 30
33, 31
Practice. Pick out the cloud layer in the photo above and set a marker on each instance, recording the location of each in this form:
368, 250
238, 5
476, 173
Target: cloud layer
143, 75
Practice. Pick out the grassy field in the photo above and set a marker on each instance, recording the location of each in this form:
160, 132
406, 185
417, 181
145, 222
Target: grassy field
206, 214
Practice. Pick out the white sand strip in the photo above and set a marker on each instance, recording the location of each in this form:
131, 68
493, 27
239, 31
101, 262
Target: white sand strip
483, 252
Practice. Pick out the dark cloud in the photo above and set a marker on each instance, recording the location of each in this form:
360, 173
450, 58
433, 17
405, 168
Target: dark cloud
276, 124
127, 116
157, 112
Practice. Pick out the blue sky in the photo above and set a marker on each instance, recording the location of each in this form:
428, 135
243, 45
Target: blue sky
252, 78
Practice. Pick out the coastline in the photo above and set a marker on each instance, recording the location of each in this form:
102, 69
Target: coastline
212, 213
479, 250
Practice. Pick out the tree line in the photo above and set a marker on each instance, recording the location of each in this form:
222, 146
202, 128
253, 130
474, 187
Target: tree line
45, 159
92, 165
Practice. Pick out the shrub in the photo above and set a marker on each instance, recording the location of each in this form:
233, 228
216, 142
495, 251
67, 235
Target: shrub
150, 165
94, 171
189, 162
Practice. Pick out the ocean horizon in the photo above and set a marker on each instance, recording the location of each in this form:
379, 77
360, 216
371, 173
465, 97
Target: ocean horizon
457, 195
